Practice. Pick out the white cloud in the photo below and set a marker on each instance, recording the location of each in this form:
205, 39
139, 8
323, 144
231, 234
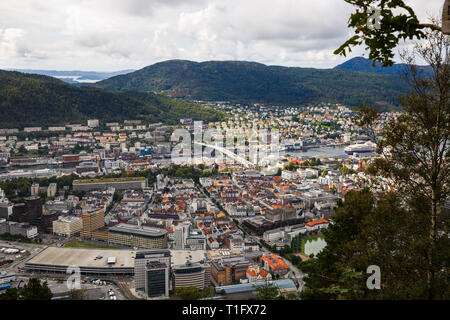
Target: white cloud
118, 34
13, 44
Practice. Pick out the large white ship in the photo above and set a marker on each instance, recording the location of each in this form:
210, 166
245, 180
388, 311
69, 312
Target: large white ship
361, 148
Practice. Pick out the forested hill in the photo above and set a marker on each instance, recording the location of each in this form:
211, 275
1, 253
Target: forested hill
36, 100
365, 65
253, 82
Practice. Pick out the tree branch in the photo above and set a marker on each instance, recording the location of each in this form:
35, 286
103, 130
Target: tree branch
431, 26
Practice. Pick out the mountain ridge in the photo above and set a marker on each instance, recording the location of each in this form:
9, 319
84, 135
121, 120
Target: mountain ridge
37, 100
252, 82
365, 65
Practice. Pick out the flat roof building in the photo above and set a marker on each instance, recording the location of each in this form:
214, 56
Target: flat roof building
138, 236
157, 279
67, 226
192, 275
225, 271
247, 291
118, 183
90, 261
152, 267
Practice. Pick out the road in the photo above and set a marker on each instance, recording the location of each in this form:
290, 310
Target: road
294, 274
33, 250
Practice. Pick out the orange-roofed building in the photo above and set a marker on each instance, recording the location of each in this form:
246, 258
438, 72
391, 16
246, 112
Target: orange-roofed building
275, 264
298, 162
277, 179
255, 273
316, 225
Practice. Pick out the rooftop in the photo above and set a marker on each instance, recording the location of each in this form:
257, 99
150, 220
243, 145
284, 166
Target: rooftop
249, 287
314, 223
139, 230
83, 257
180, 257
108, 180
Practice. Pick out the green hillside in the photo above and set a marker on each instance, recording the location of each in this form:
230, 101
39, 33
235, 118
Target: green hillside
249, 82
36, 100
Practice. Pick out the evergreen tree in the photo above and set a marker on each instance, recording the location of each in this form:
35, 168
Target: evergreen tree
35, 290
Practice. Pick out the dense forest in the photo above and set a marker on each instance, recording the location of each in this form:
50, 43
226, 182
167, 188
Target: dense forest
37, 100
254, 82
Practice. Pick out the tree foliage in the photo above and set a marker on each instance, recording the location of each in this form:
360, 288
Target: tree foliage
416, 150
193, 293
247, 82
404, 231
33, 290
34, 100
397, 21
371, 230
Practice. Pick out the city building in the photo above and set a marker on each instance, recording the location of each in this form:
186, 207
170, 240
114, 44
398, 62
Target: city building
51, 190
67, 226
6, 209
255, 274
138, 236
275, 264
18, 229
196, 275
157, 279
34, 189
247, 291
317, 225
30, 211
226, 271
97, 262
94, 225
152, 269
104, 184
93, 123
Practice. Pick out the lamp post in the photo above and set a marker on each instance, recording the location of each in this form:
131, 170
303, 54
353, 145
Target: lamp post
446, 17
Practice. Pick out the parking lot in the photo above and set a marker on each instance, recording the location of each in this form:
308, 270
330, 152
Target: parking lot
11, 254
60, 289
91, 291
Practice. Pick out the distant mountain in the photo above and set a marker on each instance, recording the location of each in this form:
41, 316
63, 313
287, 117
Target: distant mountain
249, 82
75, 77
366, 65
36, 100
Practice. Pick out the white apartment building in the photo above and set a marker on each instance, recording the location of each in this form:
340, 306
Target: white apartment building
67, 226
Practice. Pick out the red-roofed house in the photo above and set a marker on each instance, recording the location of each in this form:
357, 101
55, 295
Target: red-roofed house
275, 264
316, 225
255, 273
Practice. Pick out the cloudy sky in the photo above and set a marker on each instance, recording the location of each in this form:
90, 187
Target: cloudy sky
109, 35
